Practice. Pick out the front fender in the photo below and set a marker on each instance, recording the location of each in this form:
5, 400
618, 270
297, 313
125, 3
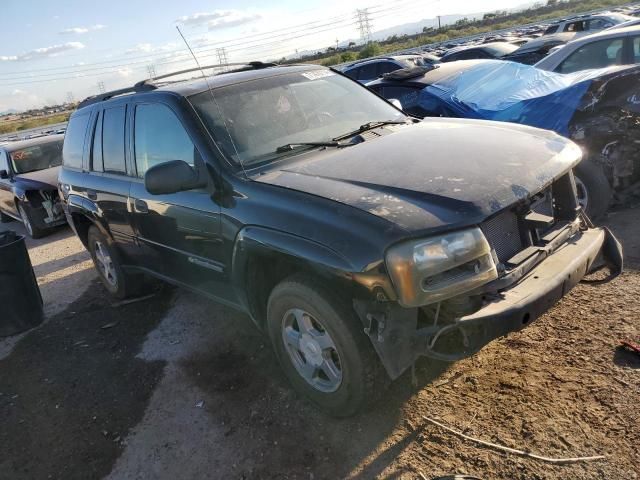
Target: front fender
259, 241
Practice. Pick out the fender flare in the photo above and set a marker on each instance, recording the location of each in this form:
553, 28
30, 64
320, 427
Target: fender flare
254, 241
77, 205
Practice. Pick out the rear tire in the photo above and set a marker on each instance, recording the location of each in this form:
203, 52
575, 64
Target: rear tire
107, 262
594, 190
332, 341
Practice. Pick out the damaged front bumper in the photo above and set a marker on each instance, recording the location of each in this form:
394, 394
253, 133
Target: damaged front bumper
400, 336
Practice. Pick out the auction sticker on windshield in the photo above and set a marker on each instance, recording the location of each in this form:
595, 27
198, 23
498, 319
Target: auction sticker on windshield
315, 74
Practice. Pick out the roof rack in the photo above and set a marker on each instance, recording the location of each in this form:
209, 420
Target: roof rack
149, 84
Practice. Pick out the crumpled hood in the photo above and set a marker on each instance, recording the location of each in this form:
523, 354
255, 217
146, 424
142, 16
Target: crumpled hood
40, 178
437, 173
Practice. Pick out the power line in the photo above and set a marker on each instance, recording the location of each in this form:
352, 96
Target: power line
242, 45
309, 26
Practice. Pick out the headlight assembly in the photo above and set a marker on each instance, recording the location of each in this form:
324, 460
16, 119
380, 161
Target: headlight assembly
437, 268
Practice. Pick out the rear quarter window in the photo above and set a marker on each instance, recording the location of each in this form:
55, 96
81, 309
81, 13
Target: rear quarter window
73, 148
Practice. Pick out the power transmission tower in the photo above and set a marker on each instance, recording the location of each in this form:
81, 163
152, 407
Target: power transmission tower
151, 69
364, 24
70, 98
101, 87
222, 56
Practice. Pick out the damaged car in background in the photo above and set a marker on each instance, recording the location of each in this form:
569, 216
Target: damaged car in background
29, 184
598, 109
356, 237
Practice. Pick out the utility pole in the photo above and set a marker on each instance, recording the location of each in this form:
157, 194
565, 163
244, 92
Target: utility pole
151, 69
336, 44
101, 87
364, 24
222, 57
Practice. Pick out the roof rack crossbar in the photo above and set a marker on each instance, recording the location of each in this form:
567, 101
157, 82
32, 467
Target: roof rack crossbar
142, 86
148, 84
252, 65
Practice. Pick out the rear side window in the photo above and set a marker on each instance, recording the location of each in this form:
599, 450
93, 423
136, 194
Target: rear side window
113, 139
603, 53
160, 137
636, 50
74, 141
353, 73
368, 72
387, 67
551, 29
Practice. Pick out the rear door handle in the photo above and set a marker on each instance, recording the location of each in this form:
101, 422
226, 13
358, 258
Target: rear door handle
92, 194
141, 206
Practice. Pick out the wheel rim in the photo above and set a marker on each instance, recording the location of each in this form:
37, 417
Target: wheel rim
105, 264
25, 220
312, 350
583, 193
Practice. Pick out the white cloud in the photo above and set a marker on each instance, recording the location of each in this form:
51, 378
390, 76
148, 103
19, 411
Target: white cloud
149, 48
218, 19
81, 30
44, 52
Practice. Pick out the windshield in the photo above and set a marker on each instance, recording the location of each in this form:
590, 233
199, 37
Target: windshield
37, 157
250, 120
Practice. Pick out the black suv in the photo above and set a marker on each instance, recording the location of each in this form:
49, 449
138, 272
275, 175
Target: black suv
357, 237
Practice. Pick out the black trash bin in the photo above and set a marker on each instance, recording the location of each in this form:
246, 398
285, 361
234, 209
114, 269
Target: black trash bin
20, 299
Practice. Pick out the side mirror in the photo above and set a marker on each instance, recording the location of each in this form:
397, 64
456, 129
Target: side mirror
396, 103
4, 174
171, 177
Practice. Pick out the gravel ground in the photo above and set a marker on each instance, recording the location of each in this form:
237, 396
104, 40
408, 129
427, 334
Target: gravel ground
174, 386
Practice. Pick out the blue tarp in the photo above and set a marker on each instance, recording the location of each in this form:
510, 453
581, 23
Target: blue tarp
510, 92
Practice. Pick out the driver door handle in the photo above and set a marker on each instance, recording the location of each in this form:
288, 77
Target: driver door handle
141, 206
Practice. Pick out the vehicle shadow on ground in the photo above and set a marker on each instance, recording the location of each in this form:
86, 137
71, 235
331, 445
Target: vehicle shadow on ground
72, 388
278, 434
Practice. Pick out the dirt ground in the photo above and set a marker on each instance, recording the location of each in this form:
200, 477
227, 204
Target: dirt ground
175, 386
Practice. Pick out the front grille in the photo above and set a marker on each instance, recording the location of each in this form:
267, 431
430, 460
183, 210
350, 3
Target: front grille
503, 234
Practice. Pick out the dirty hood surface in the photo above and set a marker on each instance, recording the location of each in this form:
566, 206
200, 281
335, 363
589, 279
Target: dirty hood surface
437, 173
41, 178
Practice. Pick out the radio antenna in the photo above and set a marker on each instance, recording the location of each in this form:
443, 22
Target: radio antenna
224, 122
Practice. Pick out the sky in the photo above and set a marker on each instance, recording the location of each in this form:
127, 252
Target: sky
54, 51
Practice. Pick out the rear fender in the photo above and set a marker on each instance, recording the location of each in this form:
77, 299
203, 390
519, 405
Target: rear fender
77, 205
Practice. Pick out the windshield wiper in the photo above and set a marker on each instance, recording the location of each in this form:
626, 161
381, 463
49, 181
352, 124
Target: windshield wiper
291, 146
370, 126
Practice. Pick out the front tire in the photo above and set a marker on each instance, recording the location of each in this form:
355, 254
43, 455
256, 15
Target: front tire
27, 221
321, 347
107, 262
594, 190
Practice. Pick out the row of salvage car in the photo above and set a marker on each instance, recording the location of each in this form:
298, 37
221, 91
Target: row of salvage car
586, 91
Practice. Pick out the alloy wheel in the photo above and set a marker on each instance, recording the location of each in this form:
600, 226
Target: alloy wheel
312, 350
105, 264
583, 193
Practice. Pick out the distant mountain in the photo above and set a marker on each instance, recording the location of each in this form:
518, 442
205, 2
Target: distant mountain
11, 111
